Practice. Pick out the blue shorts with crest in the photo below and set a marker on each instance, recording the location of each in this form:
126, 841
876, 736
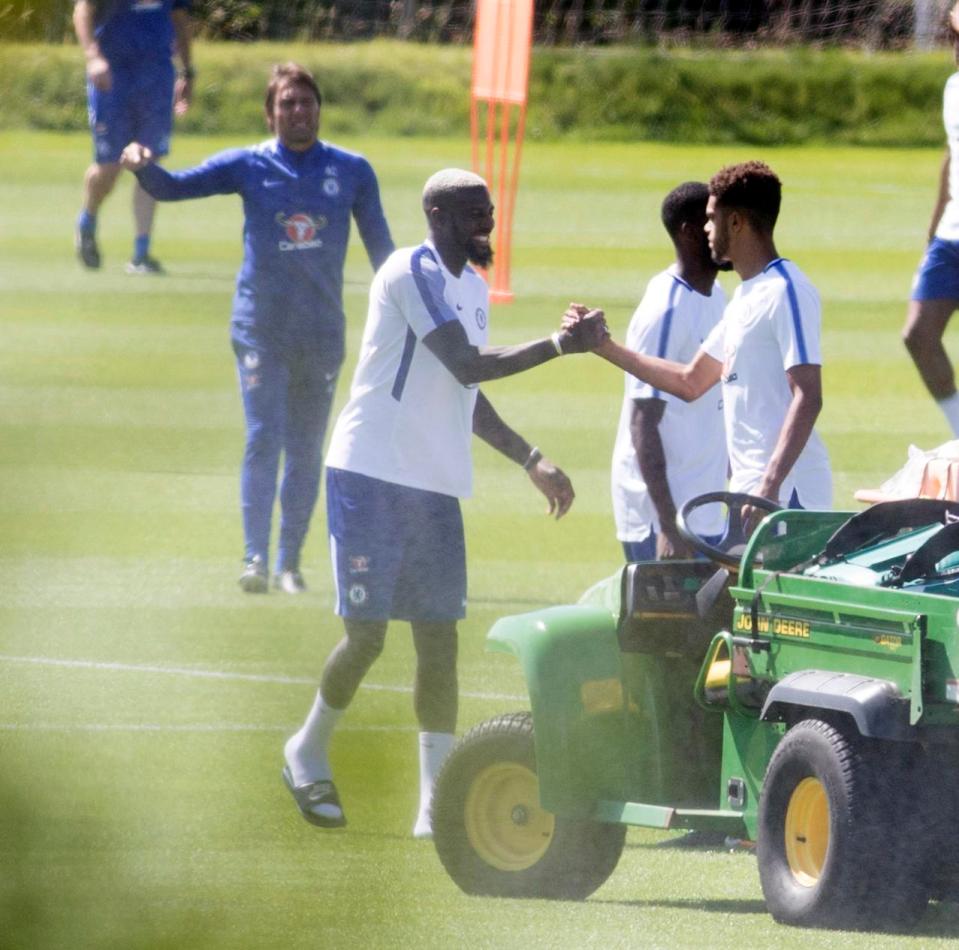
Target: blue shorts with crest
398, 553
138, 107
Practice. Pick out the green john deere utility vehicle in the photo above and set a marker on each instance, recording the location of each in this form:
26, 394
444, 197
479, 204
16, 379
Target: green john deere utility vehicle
799, 689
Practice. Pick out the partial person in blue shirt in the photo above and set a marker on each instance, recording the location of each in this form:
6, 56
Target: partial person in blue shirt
132, 92
299, 195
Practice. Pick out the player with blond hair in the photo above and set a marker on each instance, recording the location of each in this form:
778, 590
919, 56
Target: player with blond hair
398, 463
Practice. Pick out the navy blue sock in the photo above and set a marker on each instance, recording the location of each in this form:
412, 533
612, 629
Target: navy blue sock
86, 222
141, 247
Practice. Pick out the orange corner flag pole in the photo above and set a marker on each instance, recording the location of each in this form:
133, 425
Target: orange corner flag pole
501, 53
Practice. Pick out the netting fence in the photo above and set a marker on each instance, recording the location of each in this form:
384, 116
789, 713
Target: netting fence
866, 23
871, 24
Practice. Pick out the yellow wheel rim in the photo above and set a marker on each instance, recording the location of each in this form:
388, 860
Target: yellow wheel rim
807, 831
504, 821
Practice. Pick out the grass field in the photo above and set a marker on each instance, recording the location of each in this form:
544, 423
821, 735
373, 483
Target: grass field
146, 699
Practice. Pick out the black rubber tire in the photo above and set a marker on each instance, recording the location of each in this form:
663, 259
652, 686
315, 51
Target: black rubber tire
860, 866
491, 833
937, 791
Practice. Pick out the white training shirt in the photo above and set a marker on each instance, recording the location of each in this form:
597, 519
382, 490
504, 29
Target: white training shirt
408, 421
948, 227
671, 321
771, 324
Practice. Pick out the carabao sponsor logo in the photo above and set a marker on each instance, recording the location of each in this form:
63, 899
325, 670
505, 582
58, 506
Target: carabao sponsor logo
359, 563
300, 230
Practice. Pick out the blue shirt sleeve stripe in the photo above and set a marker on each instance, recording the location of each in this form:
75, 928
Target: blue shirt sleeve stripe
664, 331
780, 269
403, 371
436, 306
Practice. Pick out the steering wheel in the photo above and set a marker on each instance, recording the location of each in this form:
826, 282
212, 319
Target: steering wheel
728, 551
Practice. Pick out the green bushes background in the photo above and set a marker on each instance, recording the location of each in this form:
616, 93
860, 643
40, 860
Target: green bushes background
387, 87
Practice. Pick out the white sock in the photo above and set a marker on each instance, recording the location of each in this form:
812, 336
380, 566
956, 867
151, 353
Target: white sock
434, 748
306, 751
950, 409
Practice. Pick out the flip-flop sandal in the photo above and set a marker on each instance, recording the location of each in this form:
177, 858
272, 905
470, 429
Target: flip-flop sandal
308, 796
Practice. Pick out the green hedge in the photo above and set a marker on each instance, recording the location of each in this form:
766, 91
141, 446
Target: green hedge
621, 94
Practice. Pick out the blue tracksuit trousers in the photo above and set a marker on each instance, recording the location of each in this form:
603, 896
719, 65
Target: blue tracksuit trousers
287, 399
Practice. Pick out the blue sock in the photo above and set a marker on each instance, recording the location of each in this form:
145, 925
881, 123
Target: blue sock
141, 247
86, 222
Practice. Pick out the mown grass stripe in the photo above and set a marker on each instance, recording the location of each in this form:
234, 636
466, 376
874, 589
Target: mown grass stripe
222, 675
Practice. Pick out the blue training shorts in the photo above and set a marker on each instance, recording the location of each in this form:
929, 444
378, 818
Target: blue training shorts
398, 553
137, 108
938, 275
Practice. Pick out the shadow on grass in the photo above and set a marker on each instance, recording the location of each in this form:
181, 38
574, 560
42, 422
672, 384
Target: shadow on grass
510, 602
382, 836
705, 841
941, 920
709, 907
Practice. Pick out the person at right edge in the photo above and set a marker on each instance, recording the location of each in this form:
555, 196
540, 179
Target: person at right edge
935, 288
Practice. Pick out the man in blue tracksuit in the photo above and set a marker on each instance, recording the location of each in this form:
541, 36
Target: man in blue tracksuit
288, 323
131, 94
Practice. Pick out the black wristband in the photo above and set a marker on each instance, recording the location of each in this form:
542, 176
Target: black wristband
534, 456
188, 72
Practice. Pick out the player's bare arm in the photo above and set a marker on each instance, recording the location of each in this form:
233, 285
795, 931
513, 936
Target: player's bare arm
647, 441
687, 381
478, 364
183, 35
805, 383
547, 477
98, 69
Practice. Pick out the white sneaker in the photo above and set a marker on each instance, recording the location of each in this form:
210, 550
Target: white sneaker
145, 265
290, 582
